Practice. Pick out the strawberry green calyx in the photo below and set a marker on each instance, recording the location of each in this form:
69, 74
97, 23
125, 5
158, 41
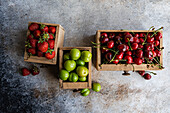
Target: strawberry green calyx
44, 38
42, 26
52, 35
27, 44
35, 69
49, 50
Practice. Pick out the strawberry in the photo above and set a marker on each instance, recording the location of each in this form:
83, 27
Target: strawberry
51, 44
50, 54
51, 36
32, 51
43, 47
40, 54
33, 27
37, 33
33, 42
35, 70
52, 30
25, 71
30, 36
44, 37
43, 28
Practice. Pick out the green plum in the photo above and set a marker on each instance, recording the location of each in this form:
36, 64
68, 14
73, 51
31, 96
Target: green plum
80, 62
82, 79
85, 92
63, 74
96, 87
75, 54
73, 77
82, 71
66, 56
86, 56
69, 65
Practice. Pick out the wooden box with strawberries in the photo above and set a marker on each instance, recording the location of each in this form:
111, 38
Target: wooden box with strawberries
127, 50
43, 41
75, 67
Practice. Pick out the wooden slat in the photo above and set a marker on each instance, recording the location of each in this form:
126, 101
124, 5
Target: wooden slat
122, 67
59, 38
75, 85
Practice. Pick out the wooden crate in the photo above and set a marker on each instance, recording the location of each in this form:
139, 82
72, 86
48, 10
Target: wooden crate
74, 85
122, 67
59, 38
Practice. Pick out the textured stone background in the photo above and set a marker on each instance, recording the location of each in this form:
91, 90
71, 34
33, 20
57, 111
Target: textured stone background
81, 19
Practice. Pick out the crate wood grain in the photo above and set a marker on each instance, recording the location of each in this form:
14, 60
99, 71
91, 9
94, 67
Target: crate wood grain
59, 38
123, 67
74, 85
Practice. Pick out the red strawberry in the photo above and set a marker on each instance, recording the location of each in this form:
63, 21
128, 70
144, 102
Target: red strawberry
33, 27
52, 30
51, 36
43, 28
25, 71
30, 36
43, 47
33, 42
37, 33
50, 55
40, 54
32, 51
35, 70
51, 44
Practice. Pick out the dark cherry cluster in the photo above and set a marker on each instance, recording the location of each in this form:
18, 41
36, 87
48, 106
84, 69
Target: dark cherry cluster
130, 48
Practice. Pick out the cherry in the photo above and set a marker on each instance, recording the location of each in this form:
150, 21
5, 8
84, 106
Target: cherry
129, 59
136, 40
134, 46
122, 47
141, 40
108, 56
117, 38
148, 54
142, 35
138, 61
111, 35
119, 56
136, 35
126, 33
129, 53
103, 35
149, 46
110, 44
147, 76
154, 53
104, 40
140, 46
143, 60
156, 42
142, 73
158, 53
150, 39
116, 61
127, 47
104, 50
129, 38
120, 34
139, 53
158, 36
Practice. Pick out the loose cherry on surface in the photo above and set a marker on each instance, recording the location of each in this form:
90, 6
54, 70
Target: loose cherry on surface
104, 35
139, 53
111, 35
156, 42
158, 53
122, 47
129, 59
141, 40
129, 53
147, 76
140, 46
110, 44
108, 56
134, 46
142, 72
104, 50
138, 61
158, 36
104, 40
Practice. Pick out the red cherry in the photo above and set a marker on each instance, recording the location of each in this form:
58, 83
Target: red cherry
122, 47
111, 35
110, 44
129, 38
120, 34
108, 56
129, 59
141, 40
136, 35
104, 50
149, 46
116, 61
134, 46
142, 73
150, 40
129, 53
117, 38
158, 53
156, 42
104, 40
103, 35
142, 35
139, 53
148, 54
154, 53
136, 40
127, 47
147, 76
126, 33
158, 36
138, 61
140, 46
119, 56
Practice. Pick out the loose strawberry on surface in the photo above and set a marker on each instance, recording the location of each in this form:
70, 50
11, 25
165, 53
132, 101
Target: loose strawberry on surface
25, 71
35, 70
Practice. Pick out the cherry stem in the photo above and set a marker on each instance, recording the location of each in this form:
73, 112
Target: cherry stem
152, 73
95, 43
133, 67
147, 35
129, 45
114, 56
110, 49
157, 59
156, 31
99, 47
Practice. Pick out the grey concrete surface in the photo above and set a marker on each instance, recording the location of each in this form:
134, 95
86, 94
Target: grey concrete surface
81, 19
